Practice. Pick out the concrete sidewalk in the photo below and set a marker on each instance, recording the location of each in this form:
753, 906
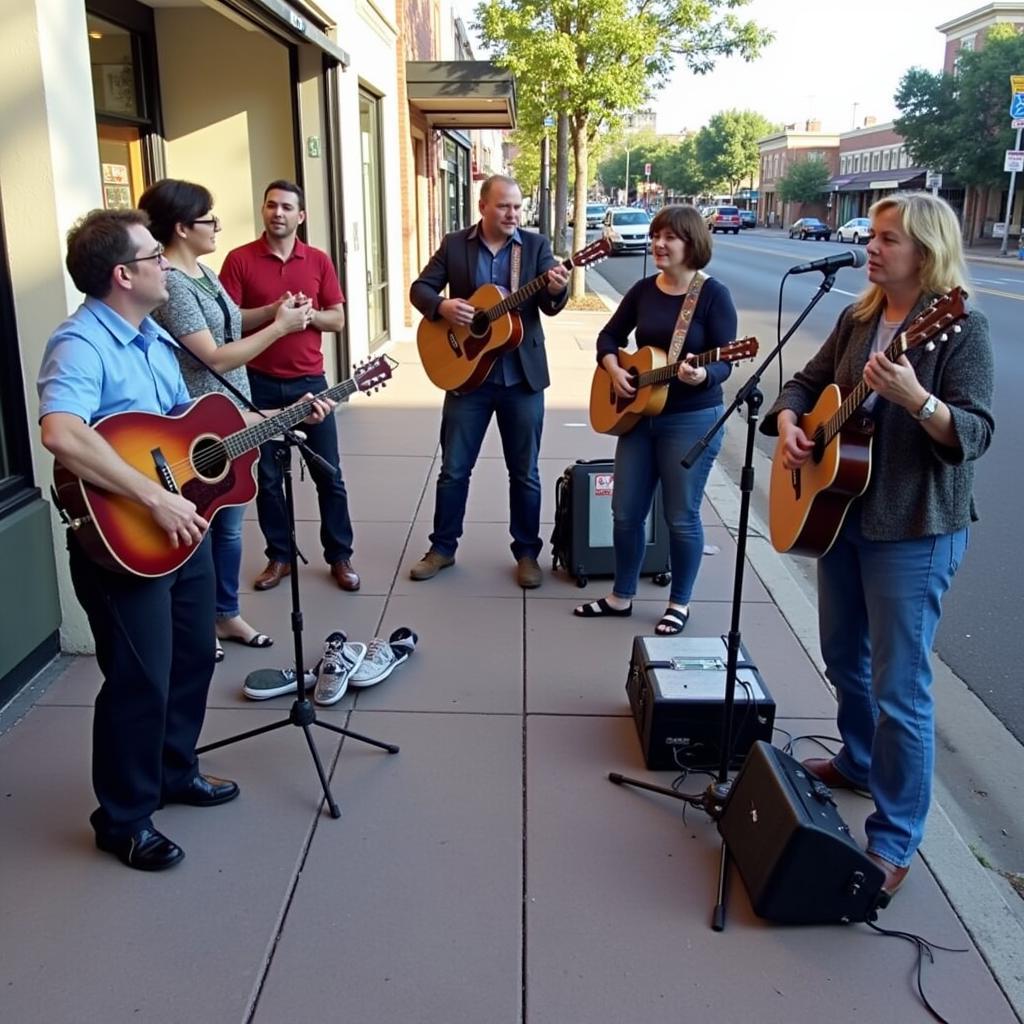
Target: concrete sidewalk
488, 873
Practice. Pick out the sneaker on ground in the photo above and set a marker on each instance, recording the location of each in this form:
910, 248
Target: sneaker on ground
383, 657
274, 682
340, 660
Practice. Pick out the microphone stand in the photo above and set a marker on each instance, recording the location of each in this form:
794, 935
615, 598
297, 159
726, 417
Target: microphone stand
750, 395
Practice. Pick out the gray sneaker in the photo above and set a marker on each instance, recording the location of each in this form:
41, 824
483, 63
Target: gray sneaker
274, 682
340, 660
383, 657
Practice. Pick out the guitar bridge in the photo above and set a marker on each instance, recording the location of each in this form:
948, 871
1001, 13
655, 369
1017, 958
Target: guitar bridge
163, 471
453, 342
796, 483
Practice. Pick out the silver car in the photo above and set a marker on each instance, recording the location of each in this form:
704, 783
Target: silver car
627, 229
857, 230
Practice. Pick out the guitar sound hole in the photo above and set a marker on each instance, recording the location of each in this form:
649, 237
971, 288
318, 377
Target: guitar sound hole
209, 458
479, 325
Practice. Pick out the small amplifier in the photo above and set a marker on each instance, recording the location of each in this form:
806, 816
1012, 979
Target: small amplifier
794, 852
676, 689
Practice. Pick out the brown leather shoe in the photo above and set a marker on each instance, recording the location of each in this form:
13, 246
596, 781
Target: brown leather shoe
894, 878
272, 575
430, 565
345, 576
824, 769
528, 573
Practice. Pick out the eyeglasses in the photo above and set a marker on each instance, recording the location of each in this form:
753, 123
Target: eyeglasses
158, 255
212, 221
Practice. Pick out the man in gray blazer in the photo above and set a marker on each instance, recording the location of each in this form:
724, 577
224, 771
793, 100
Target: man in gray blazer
513, 390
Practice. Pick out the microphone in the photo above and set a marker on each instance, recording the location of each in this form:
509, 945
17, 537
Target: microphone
830, 264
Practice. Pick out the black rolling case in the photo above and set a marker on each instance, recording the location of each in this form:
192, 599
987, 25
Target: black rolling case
581, 541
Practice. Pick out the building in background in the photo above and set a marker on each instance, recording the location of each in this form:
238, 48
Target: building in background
779, 152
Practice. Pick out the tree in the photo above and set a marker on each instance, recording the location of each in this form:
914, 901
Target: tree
958, 123
593, 59
727, 147
805, 182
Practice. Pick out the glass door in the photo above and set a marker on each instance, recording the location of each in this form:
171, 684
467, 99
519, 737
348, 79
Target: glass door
373, 218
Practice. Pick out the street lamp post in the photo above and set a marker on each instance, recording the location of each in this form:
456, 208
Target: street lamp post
625, 202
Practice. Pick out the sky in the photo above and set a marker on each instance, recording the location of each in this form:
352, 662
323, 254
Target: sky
830, 61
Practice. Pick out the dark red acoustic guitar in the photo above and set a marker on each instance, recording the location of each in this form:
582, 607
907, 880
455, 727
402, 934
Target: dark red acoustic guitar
807, 506
207, 454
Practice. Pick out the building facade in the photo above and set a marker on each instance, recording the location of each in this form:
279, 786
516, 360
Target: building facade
779, 153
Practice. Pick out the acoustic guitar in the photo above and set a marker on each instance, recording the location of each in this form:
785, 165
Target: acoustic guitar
807, 506
651, 375
206, 454
458, 357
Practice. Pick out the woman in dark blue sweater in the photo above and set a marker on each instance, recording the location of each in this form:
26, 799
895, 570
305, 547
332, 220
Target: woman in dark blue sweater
652, 450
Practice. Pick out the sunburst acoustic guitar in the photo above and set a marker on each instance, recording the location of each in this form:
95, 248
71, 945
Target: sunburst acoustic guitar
458, 357
807, 506
651, 374
207, 454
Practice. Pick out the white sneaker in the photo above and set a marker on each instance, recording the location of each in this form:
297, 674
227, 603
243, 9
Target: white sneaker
274, 682
383, 657
340, 660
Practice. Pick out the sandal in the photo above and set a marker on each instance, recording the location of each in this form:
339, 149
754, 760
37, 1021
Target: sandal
601, 609
218, 653
256, 640
672, 623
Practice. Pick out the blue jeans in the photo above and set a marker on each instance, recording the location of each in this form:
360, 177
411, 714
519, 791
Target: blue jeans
879, 605
650, 452
322, 438
464, 422
226, 535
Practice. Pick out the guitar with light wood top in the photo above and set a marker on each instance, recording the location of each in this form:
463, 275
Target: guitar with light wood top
651, 376
458, 357
206, 454
807, 506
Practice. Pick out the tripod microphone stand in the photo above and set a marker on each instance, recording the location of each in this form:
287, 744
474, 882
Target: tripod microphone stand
750, 395
302, 713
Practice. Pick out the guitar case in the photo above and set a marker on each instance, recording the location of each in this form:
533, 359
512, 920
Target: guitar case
581, 541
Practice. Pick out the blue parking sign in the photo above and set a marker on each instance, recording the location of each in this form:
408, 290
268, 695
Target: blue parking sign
1017, 105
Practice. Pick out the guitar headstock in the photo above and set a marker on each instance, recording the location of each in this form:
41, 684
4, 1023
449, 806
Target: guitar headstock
373, 374
745, 348
593, 253
932, 324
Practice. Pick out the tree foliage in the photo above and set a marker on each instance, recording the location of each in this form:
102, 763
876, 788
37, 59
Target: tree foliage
805, 182
960, 123
727, 150
595, 59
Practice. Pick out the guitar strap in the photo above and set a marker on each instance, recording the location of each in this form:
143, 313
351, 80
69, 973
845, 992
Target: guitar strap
686, 316
515, 267
244, 399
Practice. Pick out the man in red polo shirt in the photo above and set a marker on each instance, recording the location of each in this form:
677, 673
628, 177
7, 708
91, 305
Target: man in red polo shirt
258, 276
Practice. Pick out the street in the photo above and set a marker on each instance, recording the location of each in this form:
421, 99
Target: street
979, 638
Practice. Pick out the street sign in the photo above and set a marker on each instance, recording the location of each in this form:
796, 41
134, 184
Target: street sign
1017, 105
647, 170
1017, 122
1014, 160
549, 122
1016, 83
932, 180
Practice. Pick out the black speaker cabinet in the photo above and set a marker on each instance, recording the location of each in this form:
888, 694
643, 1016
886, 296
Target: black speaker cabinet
793, 851
676, 689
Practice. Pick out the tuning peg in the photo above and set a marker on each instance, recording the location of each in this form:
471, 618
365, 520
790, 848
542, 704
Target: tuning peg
930, 347
957, 329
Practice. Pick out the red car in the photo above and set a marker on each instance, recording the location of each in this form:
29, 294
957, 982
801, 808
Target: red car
723, 218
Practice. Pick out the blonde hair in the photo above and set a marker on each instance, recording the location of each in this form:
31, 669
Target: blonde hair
933, 227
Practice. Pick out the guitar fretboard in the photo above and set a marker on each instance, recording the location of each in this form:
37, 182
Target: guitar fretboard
665, 374
518, 297
252, 437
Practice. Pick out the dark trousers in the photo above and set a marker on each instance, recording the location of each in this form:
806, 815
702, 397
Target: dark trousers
335, 524
154, 644
464, 422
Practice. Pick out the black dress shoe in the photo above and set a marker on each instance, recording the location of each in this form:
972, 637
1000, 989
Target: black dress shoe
145, 850
204, 791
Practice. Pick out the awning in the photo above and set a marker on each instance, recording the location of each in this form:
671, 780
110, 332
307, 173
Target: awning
462, 93
868, 181
289, 23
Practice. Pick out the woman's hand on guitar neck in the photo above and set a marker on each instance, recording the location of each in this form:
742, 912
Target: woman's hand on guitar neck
794, 445
457, 311
690, 374
622, 380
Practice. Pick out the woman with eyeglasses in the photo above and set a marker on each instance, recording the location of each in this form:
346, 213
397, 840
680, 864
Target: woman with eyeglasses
205, 320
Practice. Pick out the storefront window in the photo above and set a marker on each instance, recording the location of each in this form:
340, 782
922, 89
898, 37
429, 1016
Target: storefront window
373, 216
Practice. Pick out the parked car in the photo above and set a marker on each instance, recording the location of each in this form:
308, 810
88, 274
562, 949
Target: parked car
748, 219
857, 230
627, 229
723, 218
810, 227
595, 214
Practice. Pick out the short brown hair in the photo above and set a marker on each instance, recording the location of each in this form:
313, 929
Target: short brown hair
96, 244
685, 222
495, 179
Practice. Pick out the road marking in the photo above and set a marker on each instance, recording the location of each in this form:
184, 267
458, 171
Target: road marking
1002, 295
841, 292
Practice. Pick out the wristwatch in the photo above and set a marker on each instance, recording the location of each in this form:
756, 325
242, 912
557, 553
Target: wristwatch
931, 403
